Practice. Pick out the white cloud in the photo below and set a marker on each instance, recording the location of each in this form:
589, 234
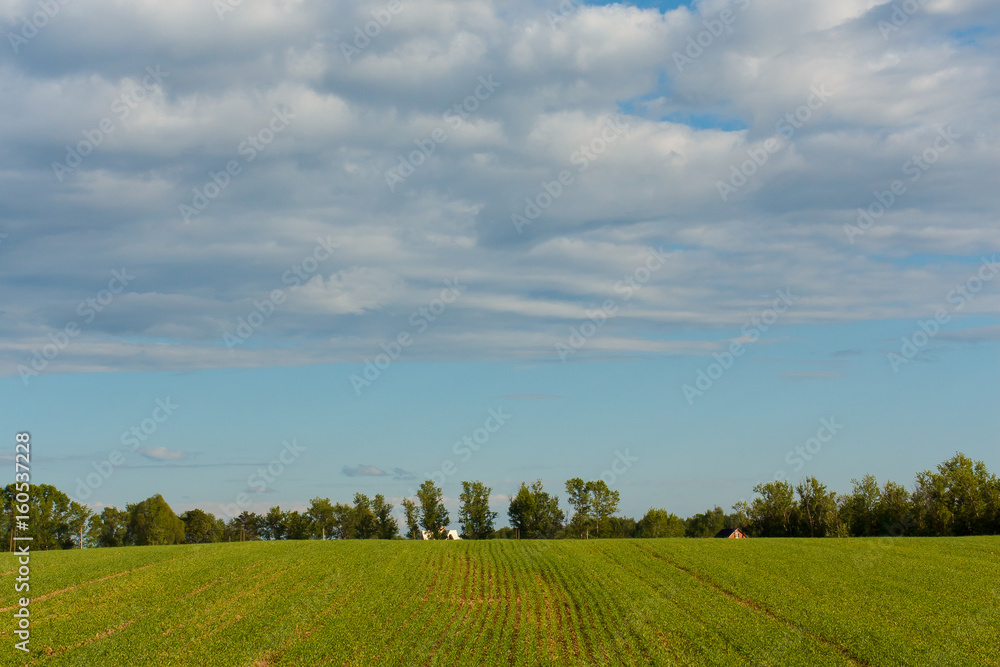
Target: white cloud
324, 175
162, 453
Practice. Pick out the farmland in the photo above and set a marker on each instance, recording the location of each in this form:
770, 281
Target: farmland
879, 601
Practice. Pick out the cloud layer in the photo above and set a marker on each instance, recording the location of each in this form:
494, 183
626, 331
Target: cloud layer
397, 474
285, 189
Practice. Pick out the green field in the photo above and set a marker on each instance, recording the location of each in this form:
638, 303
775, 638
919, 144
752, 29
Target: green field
903, 601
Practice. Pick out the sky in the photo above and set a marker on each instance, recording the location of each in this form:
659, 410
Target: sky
254, 252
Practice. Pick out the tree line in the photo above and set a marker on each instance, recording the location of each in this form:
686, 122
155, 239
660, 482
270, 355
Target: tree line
960, 497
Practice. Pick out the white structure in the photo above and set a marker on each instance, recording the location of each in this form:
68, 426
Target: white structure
452, 534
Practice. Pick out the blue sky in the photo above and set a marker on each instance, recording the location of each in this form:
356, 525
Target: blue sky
267, 202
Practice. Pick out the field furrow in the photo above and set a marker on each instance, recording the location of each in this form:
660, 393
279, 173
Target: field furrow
594, 602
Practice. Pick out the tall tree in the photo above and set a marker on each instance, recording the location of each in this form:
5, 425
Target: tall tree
200, 527
660, 523
412, 517
895, 510
386, 526
533, 513
320, 514
77, 518
991, 492
48, 512
578, 494
817, 510
474, 514
247, 526
617, 527
345, 521
297, 526
433, 515
860, 509
110, 528
274, 524
521, 511
153, 522
365, 522
604, 502
955, 499
770, 515
705, 524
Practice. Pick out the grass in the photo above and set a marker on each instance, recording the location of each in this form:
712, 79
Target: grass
884, 601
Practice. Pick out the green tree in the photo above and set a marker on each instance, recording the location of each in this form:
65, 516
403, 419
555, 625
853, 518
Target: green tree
51, 514
365, 522
7, 525
412, 517
321, 516
770, 514
153, 522
521, 511
110, 528
474, 514
433, 515
245, 527
344, 521
895, 510
859, 510
77, 519
816, 510
991, 492
604, 502
274, 524
200, 527
956, 499
660, 523
297, 526
578, 494
48, 512
386, 526
706, 524
534, 514
617, 527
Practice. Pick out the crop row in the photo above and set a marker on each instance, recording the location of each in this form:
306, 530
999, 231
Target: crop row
606, 602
